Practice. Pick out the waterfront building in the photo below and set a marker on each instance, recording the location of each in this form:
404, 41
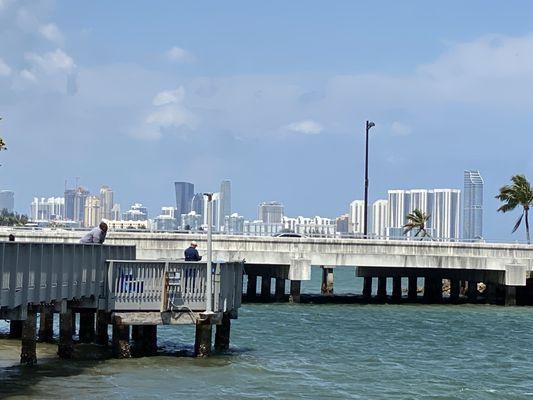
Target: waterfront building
380, 210
106, 202
92, 214
75, 204
7, 200
184, 194
225, 202
357, 216
473, 206
137, 212
271, 212
192, 221
343, 224
234, 224
47, 209
315, 226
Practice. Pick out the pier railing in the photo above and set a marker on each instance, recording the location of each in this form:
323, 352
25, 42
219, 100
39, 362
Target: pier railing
144, 285
33, 273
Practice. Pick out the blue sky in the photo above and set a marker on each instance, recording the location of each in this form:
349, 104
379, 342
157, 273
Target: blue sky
272, 95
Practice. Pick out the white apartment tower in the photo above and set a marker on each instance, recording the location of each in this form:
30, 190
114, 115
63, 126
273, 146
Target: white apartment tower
473, 206
357, 216
380, 211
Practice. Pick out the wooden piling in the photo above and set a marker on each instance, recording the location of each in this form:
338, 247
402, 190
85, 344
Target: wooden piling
296, 287
15, 329
102, 335
203, 337
396, 288
251, 287
66, 344
222, 334
412, 288
327, 281
46, 324
266, 283
28, 354
280, 289
121, 339
367, 287
87, 330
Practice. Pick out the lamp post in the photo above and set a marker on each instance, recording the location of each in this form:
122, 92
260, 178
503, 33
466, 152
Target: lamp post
209, 283
369, 124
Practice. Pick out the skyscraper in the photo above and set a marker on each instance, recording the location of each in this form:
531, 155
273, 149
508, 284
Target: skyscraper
398, 208
473, 206
184, 195
380, 210
106, 202
357, 216
225, 201
7, 200
92, 212
197, 203
270, 212
75, 204
50, 209
446, 214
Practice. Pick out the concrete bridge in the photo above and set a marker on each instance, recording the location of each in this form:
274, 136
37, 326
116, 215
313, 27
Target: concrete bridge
499, 266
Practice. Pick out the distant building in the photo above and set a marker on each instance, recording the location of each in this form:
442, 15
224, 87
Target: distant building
225, 202
192, 221
197, 203
184, 194
380, 210
7, 200
128, 225
271, 212
473, 206
115, 212
315, 226
166, 221
75, 204
260, 228
446, 214
137, 212
106, 202
234, 224
93, 214
47, 209
398, 208
357, 216
343, 224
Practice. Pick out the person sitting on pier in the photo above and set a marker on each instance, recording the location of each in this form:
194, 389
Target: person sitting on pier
96, 235
191, 254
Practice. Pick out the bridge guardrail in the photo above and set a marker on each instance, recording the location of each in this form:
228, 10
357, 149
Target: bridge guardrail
144, 285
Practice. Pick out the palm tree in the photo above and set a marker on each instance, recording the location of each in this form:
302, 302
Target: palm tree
417, 220
519, 193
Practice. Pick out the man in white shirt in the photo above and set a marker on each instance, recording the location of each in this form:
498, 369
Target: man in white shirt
96, 235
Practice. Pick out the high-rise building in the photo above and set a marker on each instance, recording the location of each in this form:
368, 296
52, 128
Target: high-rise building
115, 213
398, 204
137, 212
380, 210
184, 195
271, 212
75, 204
473, 206
343, 224
357, 216
234, 224
92, 215
197, 203
191, 221
106, 202
446, 214
225, 202
7, 200
50, 209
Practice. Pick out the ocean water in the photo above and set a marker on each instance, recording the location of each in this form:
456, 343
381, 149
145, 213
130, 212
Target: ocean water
287, 351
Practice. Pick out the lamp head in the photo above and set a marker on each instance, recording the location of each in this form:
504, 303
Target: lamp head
370, 124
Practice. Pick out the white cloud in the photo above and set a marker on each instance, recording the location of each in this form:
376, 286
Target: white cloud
169, 96
53, 61
28, 75
400, 129
307, 127
4, 68
52, 33
179, 55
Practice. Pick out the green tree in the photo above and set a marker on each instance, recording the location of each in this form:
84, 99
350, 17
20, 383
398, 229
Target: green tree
417, 220
518, 194
2, 143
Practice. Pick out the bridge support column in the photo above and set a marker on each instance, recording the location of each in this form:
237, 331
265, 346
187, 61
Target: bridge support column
433, 289
397, 288
149, 339
367, 287
382, 288
280, 289
203, 338
472, 291
510, 295
46, 324
266, 284
491, 293
28, 354
412, 288
87, 326
66, 345
455, 288
326, 288
222, 333
73, 323
295, 291
15, 329
102, 335
251, 287
121, 339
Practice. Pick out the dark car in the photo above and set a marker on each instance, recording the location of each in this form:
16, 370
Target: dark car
288, 234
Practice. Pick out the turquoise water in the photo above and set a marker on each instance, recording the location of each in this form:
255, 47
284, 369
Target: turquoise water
288, 351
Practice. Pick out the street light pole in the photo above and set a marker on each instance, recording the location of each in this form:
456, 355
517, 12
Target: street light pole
209, 282
369, 124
